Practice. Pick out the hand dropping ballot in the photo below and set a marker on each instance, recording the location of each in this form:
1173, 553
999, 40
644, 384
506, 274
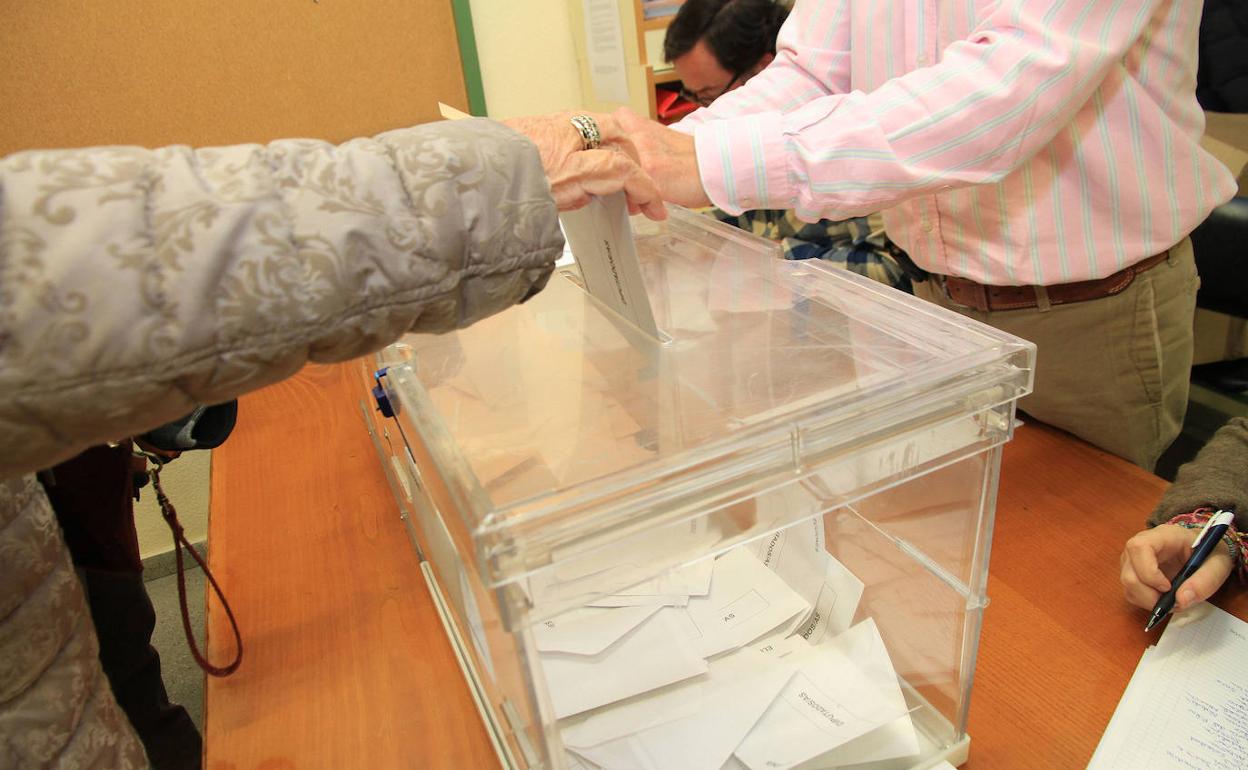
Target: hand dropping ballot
601, 240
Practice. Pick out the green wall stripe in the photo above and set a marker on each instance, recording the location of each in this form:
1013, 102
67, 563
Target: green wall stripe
468, 57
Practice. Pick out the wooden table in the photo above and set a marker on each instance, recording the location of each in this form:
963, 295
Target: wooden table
346, 664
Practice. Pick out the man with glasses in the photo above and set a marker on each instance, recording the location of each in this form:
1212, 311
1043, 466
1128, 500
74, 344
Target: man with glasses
716, 46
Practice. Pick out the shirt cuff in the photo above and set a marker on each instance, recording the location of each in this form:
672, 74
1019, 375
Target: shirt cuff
743, 163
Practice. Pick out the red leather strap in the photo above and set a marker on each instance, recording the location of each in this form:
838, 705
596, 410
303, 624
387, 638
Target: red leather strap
170, 516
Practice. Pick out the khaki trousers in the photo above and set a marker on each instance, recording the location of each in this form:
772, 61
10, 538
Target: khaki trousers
1113, 371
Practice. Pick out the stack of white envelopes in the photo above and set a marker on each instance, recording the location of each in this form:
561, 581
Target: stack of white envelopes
743, 661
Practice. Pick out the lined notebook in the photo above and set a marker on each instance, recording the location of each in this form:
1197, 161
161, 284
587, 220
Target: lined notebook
1186, 706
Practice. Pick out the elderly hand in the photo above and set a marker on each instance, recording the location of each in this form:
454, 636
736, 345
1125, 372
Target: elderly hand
576, 173
1153, 555
668, 156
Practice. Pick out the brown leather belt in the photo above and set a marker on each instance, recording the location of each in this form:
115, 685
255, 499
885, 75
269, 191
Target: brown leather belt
970, 294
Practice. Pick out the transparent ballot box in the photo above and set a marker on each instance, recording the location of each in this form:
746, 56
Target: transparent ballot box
759, 540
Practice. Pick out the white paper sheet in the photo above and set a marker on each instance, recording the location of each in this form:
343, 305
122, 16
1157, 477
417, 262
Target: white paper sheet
656, 600
604, 43
676, 701
897, 738
602, 242
844, 688
745, 602
588, 630
582, 579
691, 580
798, 555
654, 654
694, 726
1186, 706
579, 763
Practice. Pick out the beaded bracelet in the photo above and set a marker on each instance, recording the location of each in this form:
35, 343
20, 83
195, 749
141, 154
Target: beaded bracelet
1234, 540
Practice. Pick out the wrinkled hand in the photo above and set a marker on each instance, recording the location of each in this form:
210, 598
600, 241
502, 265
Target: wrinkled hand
576, 174
1152, 556
668, 156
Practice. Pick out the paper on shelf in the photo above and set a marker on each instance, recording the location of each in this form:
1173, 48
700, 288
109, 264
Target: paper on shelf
651, 656
604, 49
450, 113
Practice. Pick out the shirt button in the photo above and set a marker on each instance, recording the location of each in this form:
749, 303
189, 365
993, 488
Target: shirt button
921, 60
927, 225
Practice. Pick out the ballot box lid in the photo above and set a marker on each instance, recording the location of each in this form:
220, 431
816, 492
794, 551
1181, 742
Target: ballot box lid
556, 423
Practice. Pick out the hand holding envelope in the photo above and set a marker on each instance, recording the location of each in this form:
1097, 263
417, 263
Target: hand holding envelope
576, 173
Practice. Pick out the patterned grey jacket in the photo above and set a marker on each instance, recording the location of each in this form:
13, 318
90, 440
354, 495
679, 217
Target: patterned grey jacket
135, 284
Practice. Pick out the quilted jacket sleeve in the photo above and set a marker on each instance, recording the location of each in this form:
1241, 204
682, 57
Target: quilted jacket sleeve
136, 283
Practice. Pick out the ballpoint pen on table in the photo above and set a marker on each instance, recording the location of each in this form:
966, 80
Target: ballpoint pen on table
1206, 541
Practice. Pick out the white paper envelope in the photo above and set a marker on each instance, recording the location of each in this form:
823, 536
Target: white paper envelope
690, 580
625, 756
588, 630
865, 647
659, 600
602, 241
576, 762
688, 540
836, 603
845, 688
895, 739
654, 654
746, 666
696, 725
746, 601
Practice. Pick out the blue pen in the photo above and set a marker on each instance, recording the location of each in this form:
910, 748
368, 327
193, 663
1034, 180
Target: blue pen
1206, 541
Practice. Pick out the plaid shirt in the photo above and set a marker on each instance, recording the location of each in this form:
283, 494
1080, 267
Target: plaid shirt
848, 244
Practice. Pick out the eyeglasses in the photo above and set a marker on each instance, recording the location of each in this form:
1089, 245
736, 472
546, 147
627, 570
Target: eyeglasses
702, 99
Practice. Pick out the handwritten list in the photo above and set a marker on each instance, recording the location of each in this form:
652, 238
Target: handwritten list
1187, 703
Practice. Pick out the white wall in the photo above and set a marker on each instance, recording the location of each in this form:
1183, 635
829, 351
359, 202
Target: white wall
528, 56
186, 483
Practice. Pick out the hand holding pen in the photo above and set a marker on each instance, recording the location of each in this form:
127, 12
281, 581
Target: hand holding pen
1167, 549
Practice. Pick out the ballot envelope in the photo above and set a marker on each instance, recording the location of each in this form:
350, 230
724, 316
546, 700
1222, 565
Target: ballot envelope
758, 539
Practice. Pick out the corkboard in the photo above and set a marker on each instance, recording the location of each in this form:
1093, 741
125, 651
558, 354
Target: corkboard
198, 72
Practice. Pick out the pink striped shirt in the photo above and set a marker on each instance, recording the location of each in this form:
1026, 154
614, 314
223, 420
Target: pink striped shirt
1011, 142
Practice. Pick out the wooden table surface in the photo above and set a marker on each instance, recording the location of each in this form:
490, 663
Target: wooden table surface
346, 664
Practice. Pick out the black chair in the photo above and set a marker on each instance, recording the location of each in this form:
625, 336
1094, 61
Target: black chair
1220, 246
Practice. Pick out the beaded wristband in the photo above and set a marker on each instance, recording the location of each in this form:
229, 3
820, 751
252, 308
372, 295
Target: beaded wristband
1233, 538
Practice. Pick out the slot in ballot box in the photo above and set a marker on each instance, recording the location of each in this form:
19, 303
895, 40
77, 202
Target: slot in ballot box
760, 541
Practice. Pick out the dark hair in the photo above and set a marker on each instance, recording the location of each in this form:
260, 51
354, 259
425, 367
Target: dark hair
738, 32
